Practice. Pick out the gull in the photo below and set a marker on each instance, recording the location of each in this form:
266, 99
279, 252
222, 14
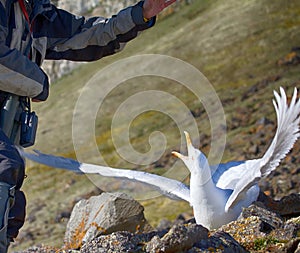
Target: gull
216, 193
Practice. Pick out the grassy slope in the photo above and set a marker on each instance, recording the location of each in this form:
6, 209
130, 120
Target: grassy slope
234, 43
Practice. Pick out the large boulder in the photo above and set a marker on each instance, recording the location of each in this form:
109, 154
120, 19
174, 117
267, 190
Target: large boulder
104, 214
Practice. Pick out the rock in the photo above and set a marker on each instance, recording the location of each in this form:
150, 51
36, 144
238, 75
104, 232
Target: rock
292, 226
103, 214
269, 219
264, 121
164, 224
219, 242
115, 242
183, 218
254, 149
40, 249
62, 216
179, 239
292, 246
288, 206
298, 248
260, 85
198, 112
260, 228
292, 58
78, 6
244, 230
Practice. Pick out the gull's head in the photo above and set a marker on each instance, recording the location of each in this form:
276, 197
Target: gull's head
195, 161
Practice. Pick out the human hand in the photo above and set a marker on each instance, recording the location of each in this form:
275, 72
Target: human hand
152, 7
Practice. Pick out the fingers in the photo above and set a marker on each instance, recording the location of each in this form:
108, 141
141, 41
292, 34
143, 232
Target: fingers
169, 2
153, 7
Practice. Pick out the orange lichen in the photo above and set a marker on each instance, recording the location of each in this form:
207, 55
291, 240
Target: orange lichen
77, 237
211, 249
99, 228
137, 228
99, 210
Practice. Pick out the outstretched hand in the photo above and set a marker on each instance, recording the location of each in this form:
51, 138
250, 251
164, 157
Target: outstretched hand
152, 7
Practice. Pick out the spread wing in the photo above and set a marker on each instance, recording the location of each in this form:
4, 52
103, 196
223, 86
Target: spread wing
242, 177
169, 187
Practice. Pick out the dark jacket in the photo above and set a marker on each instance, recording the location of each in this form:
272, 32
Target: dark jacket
56, 34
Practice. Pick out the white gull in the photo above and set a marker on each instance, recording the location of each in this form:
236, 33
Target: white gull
216, 193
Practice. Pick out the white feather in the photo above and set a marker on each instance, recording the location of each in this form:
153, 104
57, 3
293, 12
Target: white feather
240, 178
169, 187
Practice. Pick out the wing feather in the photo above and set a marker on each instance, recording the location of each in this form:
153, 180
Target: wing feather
288, 119
169, 187
242, 177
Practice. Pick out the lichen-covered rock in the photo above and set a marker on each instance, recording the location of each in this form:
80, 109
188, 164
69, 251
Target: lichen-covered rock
103, 214
218, 242
115, 242
268, 220
121, 241
179, 239
292, 246
244, 230
260, 229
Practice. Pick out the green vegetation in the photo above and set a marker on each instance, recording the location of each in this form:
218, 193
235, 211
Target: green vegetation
263, 243
235, 44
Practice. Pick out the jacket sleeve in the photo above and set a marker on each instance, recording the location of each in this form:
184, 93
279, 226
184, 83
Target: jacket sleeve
79, 39
19, 75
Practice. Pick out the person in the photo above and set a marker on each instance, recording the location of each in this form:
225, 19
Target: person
30, 32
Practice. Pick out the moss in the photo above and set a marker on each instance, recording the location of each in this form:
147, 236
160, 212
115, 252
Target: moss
263, 243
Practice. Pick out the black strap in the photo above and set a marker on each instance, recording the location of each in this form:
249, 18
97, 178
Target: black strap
3, 97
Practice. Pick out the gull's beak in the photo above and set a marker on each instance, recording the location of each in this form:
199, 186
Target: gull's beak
178, 155
189, 144
189, 147
189, 159
188, 138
